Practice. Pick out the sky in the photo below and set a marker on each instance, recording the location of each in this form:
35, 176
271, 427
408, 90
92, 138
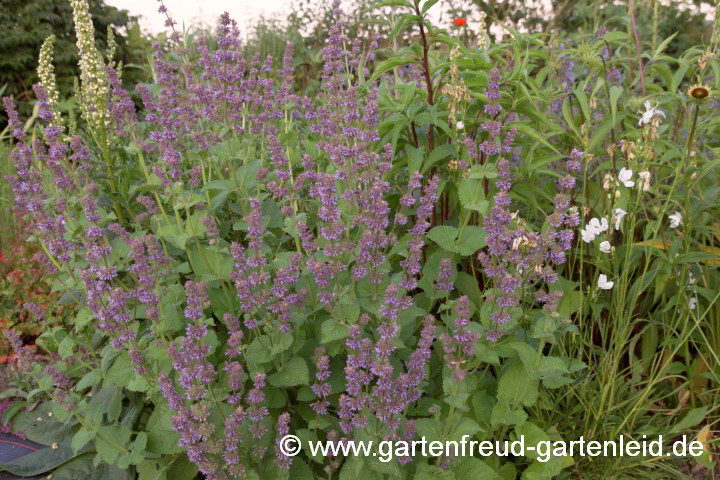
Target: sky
189, 11
208, 11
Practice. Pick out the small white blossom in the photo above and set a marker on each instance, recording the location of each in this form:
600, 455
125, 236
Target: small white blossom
459, 125
587, 235
675, 220
603, 282
624, 176
649, 113
618, 217
598, 226
607, 181
605, 247
644, 181
692, 303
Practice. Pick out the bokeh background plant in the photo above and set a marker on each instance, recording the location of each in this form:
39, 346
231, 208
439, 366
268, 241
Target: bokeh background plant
402, 219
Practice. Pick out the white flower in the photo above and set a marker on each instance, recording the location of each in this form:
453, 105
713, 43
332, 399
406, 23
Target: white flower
603, 282
618, 217
587, 235
644, 181
624, 176
459, 125
692, 279
692, 303
605, 247
675, 220
649, 113
598, 226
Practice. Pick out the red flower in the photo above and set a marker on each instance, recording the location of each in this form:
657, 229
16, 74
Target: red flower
459, 22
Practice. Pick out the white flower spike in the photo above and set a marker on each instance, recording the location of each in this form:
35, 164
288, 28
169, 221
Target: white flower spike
624, 176
603, 282
675, 220
692, 303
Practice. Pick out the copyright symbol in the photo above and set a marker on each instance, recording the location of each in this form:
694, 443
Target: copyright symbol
290, 445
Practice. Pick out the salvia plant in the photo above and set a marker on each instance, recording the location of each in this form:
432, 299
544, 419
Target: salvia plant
412, 252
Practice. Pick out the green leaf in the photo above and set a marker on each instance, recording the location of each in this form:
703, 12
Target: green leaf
458, 400
161, 438
389, 64
472, 195
138, 384
488, 170
393, 3
346, 310
439, 153
428, 5
81, 438
121, 371
678, 76
66, 347
581, 97
471, 240
502, 414
663, 46
433, 472
295, 372
331, 330
532, 133
110, 442
40, 461
615, 36
471, 468
517, 388
444, 236
40, 427
90, 379
464, 426
692, 418
415, 157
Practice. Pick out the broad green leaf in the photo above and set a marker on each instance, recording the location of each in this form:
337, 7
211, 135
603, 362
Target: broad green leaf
444, 236
517, 388
81, 438
471, 468
111, 441
471, 240
472, 195
295, 372
331, 330
40, 461
415, 158
90, 379
440, 153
